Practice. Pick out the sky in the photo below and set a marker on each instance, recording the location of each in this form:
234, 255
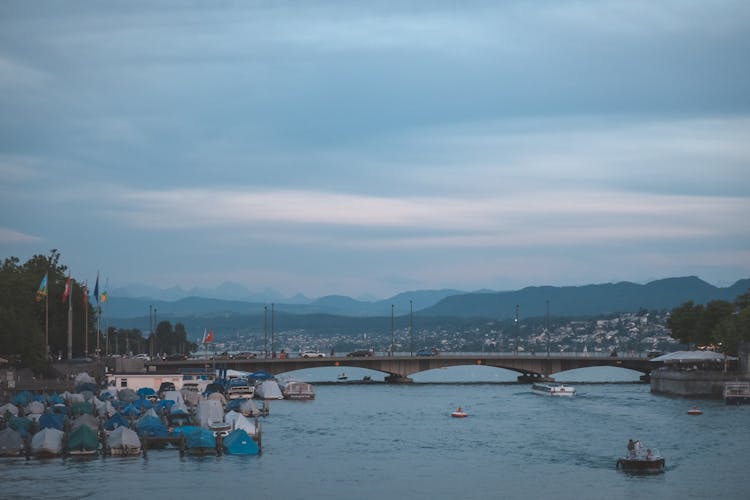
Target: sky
377, 147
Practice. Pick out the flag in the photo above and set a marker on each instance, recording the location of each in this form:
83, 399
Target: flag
42, 292
208, 337
96, 288
85, 296
104, 297
66, 292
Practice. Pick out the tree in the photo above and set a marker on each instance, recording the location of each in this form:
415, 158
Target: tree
713, 314
684, 321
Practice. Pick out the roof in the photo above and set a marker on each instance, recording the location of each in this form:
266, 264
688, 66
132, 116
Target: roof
692, 356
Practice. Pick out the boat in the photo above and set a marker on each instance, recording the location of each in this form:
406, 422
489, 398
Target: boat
342, 376
737, 393
238, 442
47, 443
11, 443
240, 388
123, 442
83, 441
553, 389
641, 461
200, 441
695, 411
268, 389
459, 413
295, 389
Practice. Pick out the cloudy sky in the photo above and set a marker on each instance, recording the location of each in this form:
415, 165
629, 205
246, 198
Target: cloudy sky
377, 147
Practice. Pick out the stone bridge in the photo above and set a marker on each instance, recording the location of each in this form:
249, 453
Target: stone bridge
399, 368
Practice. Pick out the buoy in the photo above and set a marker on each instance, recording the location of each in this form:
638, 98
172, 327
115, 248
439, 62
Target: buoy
695, 411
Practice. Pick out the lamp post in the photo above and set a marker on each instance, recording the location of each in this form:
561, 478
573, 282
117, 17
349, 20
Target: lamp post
265, 331
411, 330
517, 332
273, 347
547, 327
392, 331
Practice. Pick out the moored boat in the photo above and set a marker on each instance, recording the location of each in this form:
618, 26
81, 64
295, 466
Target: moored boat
295, 389
123, 442
47, 443
459, 413
200, 441
553, 389
695, 411
83, 440
11, 443
268, 389
644, 465
737, 393
238, 442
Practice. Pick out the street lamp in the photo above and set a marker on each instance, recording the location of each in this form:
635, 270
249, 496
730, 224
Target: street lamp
392, 335
411, 332
517, 332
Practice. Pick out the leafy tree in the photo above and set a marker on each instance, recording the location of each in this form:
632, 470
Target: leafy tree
713, 314
684, 321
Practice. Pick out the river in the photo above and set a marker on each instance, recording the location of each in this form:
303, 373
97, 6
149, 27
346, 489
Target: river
398, 441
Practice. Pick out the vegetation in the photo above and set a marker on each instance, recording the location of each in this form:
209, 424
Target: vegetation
25, 306
719, 323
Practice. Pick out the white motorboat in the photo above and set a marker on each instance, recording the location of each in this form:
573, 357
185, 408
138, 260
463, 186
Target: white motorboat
553, 389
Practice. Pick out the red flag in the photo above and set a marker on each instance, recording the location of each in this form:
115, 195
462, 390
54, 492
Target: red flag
209, 337
85, 296
66, 292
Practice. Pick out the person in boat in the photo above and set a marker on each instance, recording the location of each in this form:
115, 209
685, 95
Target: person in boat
631, 448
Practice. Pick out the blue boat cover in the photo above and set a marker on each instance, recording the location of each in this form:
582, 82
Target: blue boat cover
145, 391
22, 425
151, 426
115, 421
200, 437
131, 411
51, 420
238, 442
22, 398
142, 404
261, 375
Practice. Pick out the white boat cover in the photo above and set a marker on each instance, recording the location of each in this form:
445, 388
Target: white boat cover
217, 396
239, 421
84, 378
209, 412
122, 436
9, 407
35, 407
268, 389
692, 356
174, 396
247, 407
85, 419
75, 398
48, 440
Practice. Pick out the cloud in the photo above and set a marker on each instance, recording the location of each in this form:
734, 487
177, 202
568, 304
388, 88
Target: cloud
11, 236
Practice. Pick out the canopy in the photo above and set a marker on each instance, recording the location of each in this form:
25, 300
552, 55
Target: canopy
692, 357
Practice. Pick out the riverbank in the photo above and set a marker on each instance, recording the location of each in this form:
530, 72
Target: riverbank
697, 383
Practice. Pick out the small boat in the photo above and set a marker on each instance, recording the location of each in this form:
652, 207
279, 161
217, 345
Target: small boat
268, 389
553, 389
695, 411
11, 443
737, 393
47, 443
295, 389
459, 413
83, 441
342, 377
200, 441
123, 442
238, 442
640, 460
653, 465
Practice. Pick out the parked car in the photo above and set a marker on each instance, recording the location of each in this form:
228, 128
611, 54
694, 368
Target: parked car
427, 352
244, 355
361, 353
653, 353
312, 354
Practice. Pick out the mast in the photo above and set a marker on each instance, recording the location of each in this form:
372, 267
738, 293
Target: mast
70, 320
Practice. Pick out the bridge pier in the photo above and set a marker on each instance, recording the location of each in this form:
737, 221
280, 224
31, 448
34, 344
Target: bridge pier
534, 377
397, 379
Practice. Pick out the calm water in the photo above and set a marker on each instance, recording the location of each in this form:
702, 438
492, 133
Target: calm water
374, 442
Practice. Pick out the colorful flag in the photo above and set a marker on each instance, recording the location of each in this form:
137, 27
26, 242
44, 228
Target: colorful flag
42, 292
104, 297
208, 337
96, 288
66, 292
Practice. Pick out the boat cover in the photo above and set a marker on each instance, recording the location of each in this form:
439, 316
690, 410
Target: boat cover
131, 411
20, 424
151, 426
83, 438
11, 442
143, 392
47, 441
52, 420
142, 403
22, 398
56, 399
209, 411
127, 395
87, 420
9, 408
199, 437
238, 442
82, 407
35, 407
123, 437
115, 421
268, 389
239, 421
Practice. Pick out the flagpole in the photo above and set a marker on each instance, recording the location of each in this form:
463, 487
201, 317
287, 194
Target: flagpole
46, 325
70, 321
86, 321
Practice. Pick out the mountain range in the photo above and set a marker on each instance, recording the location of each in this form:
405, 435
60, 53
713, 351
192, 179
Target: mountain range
584, 300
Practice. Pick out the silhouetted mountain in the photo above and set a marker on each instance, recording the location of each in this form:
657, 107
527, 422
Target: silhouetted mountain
585, 300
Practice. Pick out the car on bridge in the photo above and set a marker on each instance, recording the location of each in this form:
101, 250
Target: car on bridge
361, 353
312, 354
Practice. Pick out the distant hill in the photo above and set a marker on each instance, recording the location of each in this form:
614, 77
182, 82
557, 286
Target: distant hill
585, 300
